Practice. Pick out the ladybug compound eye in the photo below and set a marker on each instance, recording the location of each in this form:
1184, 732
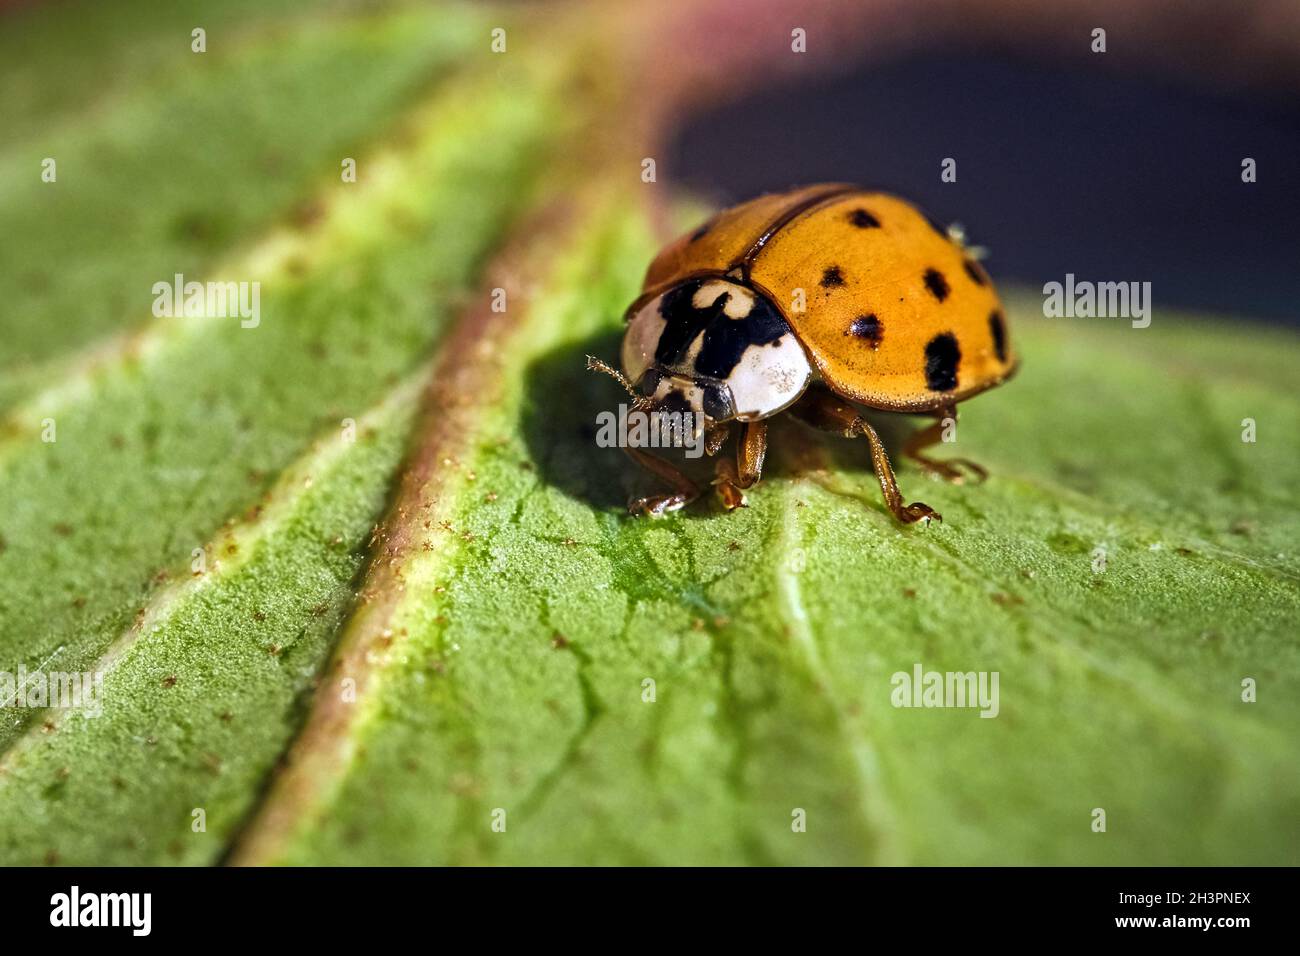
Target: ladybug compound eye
649, 383
717, 402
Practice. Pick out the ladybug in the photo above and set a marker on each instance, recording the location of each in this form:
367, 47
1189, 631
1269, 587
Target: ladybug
811, 301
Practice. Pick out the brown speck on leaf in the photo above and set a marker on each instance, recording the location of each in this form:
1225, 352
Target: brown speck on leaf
48, 727
212, 762
274, 650
721, 621
308, 213
463, 785
559, 641
63, 773
117, 441
169, 680
1185, 552
1007, 600
259, 616
79, 602
440, 589
1242, 526
697, 624
733, 546
63, 530
226, 717
490, 496
909, 592
232, 548
318, 609
51, 857
570, 542
526, 465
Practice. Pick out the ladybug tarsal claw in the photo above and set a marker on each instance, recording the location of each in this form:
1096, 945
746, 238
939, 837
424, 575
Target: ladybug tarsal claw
656, 506
951, 470
920, 512
731, 496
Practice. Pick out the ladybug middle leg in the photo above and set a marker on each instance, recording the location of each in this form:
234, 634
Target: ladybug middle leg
734, 477
950, 469
822, 408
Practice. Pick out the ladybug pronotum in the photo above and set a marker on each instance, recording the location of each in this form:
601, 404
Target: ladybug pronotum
896, 316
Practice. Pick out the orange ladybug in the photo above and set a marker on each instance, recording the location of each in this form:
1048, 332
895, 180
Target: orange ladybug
809, 301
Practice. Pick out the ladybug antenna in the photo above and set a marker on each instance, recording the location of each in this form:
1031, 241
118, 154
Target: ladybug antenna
596, 365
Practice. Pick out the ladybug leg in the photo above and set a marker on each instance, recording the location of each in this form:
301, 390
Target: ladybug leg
744, 473
684, 490
715, 438
823, 409
950, 470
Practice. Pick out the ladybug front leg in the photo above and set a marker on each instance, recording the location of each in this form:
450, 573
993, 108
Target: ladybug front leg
744, 473
949, 470
823, 409
684, 490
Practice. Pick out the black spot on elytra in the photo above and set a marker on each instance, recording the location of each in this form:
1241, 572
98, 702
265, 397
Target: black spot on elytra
936, 283
867, 327
976, 272
832, 277
863, 219
942, 356
701, 232
999, 329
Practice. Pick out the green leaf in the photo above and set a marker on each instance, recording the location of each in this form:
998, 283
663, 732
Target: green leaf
396, 646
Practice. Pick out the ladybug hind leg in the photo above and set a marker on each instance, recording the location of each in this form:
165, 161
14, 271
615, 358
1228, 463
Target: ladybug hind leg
823, 409
951, 469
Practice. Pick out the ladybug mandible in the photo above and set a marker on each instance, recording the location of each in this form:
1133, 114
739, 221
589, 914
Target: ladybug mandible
809, 301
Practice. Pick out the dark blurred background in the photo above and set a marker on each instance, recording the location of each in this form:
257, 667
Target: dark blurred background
1063, 165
